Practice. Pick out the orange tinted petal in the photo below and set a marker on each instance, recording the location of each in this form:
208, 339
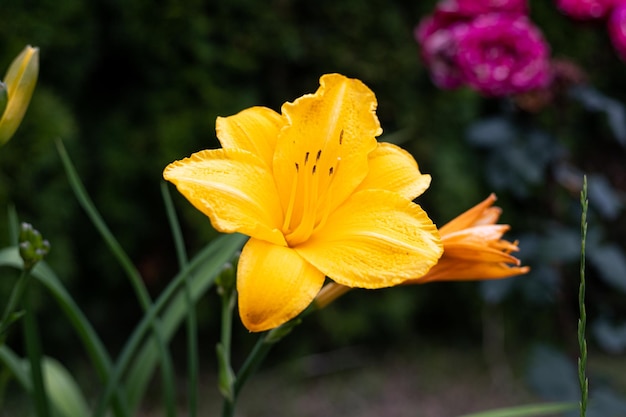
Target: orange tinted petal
470, 217
451, 269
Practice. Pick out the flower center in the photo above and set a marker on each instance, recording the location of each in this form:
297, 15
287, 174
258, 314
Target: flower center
311, 190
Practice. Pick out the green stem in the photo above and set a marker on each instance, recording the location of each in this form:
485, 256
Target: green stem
582, 321
14, 299
222, 247
33, 350
84, 330
226, 376
128, 267
192, 328
262, 348
253, 361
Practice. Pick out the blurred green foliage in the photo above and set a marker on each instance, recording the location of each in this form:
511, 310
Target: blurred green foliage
132, 85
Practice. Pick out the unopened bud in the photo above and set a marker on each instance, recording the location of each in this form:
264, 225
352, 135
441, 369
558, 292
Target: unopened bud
19, 82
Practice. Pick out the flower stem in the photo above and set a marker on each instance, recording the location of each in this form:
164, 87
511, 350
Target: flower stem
33, 350
226, 377
262, 348
582, 321
16, 295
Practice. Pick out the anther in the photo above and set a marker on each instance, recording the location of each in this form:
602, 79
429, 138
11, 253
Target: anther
341, 136
306, 157
319, 153
330, 171
297, 167
314, 169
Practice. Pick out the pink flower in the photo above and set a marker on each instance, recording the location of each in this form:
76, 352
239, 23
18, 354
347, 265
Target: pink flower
438, 43
586, 9
472, 8
617, 29
500, 55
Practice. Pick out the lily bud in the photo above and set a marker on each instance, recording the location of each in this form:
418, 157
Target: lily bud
19, 82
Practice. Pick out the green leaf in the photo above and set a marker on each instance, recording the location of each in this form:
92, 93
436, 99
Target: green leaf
531, 410
63, 391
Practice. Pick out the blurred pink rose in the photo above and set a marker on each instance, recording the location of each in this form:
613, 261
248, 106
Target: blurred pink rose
438, 47
617, 29
586, 9
471, 8
500, 55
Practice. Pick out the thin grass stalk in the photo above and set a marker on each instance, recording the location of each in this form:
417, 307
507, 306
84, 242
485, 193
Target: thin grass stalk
130, 270
192, 328
582, 321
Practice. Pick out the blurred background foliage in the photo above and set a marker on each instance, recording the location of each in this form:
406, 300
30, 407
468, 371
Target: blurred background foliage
131, 85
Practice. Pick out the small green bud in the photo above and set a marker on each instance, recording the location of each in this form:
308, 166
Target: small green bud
32, 246
226, 281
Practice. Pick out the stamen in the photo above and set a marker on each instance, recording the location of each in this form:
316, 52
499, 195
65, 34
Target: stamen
341, 137
306, 157
292, 200
309, 214
319, 153
330, 171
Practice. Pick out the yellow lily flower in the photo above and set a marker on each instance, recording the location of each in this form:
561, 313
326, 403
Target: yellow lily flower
318, 196
19, 82
472, 250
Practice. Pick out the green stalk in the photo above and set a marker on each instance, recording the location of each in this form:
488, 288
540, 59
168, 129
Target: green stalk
33, 350
262, 348
14, 299
192, 328
223, 246
86, 333
226, 376
130, 270
582, 321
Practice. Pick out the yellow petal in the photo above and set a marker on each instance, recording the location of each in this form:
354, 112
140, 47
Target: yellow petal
328, 135
451, 269
376, 239
254, 130
234, 188
20, 80
274, 284
394, 169
473, 216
